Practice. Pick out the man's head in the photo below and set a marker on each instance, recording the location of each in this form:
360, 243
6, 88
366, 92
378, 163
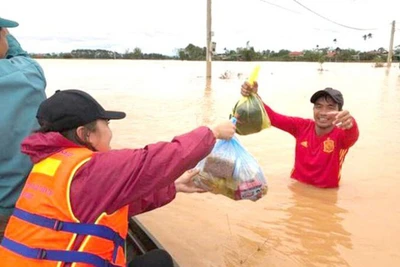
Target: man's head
4, 24
326, 102
79, 117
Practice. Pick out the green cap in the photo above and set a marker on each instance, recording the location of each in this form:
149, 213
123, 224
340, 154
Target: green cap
5, 23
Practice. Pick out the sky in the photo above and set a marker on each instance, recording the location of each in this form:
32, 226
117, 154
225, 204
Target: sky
163, 26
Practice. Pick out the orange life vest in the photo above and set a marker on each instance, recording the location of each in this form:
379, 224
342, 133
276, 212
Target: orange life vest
42, 230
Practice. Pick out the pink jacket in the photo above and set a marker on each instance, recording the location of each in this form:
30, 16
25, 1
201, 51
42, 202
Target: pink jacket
141, 178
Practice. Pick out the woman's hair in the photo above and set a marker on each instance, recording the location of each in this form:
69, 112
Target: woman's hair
71, 134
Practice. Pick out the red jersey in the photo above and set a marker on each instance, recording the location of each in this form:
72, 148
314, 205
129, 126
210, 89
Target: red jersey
318, 159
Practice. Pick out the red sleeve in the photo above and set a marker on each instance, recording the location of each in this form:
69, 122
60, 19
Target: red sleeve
117, 178
285, 123
153, 201
350, 136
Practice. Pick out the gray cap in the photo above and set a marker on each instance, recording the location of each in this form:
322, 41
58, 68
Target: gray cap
336, 95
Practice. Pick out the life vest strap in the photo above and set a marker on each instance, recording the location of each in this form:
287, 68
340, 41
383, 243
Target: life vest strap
55, 255
71, 227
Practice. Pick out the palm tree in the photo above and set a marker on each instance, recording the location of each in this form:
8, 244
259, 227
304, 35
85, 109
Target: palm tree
365, 36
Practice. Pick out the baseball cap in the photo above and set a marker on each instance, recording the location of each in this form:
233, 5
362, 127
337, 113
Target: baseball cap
7, 23
336, 95
69, 109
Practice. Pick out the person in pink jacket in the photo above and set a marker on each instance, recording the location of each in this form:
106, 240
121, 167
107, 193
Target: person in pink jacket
144, 178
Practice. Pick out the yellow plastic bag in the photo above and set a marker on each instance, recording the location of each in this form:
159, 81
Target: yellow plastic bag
250, 113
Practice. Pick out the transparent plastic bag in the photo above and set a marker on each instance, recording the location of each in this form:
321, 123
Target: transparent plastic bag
232, 171
251, 115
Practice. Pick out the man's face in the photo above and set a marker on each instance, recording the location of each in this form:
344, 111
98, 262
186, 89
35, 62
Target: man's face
3, 43
322, 107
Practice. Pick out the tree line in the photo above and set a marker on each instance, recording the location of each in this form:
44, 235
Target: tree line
196, 53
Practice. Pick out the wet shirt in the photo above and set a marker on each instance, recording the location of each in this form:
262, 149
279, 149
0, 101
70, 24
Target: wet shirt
318, 159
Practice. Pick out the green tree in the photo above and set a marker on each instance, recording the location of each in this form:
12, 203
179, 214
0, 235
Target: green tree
247, 54
137, 53
195, 53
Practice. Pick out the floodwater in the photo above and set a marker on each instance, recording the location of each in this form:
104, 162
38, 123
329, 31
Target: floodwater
295, 224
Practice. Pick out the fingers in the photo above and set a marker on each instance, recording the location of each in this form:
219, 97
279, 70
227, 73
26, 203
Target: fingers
193, 172
247, 89
332, 113
225, 130
342, 118
346, 124
342, 114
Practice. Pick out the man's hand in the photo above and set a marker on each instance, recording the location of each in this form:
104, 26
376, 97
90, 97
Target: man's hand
343, 119
185, 183
247, 89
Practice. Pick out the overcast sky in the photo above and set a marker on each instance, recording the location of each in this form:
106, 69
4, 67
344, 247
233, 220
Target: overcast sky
162, 26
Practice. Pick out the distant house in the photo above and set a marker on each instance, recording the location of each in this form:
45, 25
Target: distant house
330, 54
382, 50
295, 54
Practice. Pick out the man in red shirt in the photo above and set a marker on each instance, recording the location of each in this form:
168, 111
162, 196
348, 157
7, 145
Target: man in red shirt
322, 143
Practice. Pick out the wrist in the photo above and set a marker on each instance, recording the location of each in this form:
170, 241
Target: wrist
177, 186
216, 133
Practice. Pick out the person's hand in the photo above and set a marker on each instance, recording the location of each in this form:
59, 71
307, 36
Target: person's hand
343, 119
224, 130
247, 89
185, 183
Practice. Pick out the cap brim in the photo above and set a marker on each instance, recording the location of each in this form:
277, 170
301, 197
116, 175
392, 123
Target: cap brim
318, 94
5, 23
114, 115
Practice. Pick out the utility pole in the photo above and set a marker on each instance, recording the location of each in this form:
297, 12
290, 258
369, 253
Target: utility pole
209, 36
390, 54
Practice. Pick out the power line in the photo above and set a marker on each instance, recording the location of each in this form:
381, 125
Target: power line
284, 8
337, 23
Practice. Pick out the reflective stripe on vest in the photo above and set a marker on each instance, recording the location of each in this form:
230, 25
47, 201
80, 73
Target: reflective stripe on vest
76, 228
55, 255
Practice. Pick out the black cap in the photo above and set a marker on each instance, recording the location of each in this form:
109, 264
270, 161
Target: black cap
69, 109
336, 95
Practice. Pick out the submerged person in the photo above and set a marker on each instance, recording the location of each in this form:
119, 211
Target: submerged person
321, 144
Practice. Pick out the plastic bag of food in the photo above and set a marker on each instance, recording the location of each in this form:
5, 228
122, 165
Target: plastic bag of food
232, 171
251, 115
249, 111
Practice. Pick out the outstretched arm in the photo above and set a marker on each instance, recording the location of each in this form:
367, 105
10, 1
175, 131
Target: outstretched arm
162, 197
285, 123
345, 121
